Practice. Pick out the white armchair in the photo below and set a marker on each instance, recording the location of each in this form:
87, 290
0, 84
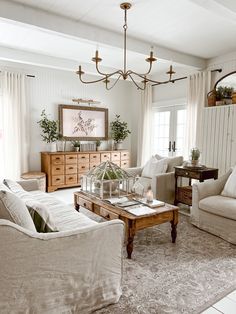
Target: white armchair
213, 212
163, 185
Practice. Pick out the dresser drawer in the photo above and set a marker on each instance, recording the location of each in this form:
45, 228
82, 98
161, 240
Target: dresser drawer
83, 158
84, 203
107, 214
58, 180
116, 162
57, 159
58, 169
82, 168
71, 169
124, 164
95, 158
105, 157
124, 155
93, 165
71, 178
115, 156
71, 159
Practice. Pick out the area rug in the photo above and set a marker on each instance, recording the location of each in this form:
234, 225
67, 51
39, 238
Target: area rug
186, 277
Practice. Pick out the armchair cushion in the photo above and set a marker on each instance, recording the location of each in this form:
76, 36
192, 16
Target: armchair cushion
230, 185
14, 210
154, 167
219, 205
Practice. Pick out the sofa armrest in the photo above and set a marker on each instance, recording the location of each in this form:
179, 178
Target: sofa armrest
163, 187
203, 190
135, 171
76, 269
29, 185
210, 187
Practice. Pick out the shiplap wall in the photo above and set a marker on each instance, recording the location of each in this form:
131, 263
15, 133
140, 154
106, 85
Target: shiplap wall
51, 87
218, 144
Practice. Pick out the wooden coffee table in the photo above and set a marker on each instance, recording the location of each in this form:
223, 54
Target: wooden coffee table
132, 223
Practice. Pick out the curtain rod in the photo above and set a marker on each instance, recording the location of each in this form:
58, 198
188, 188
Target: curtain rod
28, 75
182, 78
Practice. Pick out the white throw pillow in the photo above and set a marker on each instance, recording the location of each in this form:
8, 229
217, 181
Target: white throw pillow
12, 208
154, 167
230, 185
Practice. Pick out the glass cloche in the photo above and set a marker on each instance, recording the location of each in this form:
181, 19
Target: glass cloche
107, 180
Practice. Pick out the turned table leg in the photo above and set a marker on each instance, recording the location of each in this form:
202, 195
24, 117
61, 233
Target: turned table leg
174, 223
130, 240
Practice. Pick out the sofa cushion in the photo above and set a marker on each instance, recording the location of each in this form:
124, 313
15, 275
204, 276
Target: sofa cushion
154, 167
230, 185
12, 208
12, 185
41, 216
219, 205
65, 217
172, 162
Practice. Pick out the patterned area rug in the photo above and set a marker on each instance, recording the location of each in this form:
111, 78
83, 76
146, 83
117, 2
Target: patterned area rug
185, 277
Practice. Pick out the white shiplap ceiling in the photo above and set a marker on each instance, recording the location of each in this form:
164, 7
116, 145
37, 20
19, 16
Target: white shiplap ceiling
198, 28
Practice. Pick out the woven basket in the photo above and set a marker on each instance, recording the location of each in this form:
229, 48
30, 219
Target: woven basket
211, 98
234, 98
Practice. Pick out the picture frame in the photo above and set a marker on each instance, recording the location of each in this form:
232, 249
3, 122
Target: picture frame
83, 123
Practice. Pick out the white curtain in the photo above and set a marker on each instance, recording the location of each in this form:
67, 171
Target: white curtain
14, 126
145, 123
198, 85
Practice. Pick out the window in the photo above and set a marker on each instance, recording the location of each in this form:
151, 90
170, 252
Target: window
169, 125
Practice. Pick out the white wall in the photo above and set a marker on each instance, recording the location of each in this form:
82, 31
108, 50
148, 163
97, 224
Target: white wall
52, 87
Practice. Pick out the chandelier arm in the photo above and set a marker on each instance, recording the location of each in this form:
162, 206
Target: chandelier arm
139, 87
108, 88
148, 79
90, 82
140, 74
108, 74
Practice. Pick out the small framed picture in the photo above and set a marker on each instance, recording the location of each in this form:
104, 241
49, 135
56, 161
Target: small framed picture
85, 123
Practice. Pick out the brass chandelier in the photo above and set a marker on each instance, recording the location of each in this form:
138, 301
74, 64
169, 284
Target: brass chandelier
125, 73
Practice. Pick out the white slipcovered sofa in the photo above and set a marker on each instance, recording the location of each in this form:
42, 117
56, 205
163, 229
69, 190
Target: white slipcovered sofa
75, 270
163, 184
213, 212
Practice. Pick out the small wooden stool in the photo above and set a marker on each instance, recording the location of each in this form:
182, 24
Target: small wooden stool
40, 176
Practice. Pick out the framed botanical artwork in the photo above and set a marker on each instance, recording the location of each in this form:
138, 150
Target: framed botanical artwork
85, 123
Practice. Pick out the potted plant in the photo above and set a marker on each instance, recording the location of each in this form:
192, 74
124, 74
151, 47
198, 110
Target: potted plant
76, 145
119, 131
98, 144
195, 154
49, 130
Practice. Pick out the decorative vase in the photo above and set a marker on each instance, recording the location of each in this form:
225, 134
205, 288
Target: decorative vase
53, 147
61, 146
118, 145
194, 162
76, 149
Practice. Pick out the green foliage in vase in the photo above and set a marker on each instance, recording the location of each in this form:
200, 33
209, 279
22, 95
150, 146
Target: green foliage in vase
119, 130
98, 143
195, 153
223, 92
75, 143
49, 128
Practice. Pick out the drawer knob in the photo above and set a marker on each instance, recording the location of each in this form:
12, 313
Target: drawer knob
57, 179
70, 167
186, 173
70, 178
57, 168
83, 157
107, 216
57, 158
84, 204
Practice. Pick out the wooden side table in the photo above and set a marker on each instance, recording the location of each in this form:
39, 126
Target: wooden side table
183, 194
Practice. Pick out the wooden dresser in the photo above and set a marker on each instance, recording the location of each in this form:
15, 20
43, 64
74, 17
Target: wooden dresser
64, 169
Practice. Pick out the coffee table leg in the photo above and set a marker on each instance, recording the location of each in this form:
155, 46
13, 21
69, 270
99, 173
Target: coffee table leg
131, 234
173, 231
77, 207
